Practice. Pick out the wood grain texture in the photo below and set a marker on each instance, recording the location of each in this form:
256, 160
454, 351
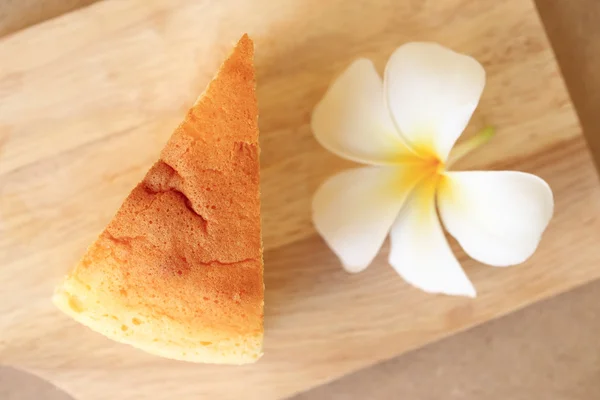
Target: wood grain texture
19, 14
88, 100
549, 351
515, 357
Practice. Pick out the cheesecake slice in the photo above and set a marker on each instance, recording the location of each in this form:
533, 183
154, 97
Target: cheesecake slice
178, 272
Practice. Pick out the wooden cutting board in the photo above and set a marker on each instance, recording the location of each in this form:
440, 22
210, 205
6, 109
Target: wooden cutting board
88, 100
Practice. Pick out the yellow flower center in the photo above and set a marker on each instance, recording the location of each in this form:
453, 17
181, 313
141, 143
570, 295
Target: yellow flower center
428, 168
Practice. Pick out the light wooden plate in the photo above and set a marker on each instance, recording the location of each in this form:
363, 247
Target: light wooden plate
88, 100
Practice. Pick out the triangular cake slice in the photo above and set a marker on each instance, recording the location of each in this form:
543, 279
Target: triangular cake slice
178, 271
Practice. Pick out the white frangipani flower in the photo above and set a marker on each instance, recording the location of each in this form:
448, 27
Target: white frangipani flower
405, 128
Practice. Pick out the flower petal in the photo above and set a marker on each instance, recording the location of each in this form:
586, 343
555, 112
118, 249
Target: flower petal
498, 217
419, 250
352, 120
432, 92
355, 209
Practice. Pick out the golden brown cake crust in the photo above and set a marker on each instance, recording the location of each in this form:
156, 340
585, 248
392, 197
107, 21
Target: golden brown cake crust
184, 250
